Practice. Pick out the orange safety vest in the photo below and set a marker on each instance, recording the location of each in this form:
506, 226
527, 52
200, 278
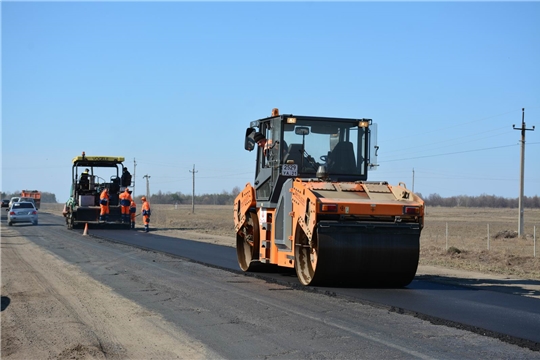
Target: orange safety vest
104, 195
125, 199
145, 208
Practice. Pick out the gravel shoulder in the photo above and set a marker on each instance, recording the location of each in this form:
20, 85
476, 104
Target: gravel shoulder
52, 310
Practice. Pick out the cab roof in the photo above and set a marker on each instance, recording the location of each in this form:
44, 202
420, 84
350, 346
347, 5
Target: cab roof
97, 160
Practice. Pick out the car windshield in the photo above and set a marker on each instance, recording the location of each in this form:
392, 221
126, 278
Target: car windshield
23, 205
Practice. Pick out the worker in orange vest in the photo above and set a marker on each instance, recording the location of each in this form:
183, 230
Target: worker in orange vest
132, 211
145, 213
125, 202
104, 205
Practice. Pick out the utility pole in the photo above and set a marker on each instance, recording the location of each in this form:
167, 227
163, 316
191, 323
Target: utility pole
412, 179
134, 176
522, 171
147, 186
193, 191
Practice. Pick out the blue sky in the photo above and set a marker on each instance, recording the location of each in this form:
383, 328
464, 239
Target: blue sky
175, 84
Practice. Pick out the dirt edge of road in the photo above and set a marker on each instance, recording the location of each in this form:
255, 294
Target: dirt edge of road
52, 310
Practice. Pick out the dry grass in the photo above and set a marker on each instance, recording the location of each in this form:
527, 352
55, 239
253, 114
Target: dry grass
465, 247
208, 219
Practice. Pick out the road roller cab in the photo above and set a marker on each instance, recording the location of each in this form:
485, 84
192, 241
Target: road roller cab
312, 208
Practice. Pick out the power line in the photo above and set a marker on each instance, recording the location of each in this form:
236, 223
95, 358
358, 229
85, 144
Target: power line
454, 125
218, 176
453, 142
451, 153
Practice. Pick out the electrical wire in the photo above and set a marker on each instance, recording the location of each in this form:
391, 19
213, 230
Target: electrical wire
454, 125
451, 153
453, 142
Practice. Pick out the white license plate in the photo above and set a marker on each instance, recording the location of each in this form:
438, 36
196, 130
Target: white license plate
289, 170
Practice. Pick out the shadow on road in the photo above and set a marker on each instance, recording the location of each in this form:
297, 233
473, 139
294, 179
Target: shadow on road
5, 302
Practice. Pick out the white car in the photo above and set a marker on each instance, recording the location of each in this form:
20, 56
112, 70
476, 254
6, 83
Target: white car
13, 200
21, 212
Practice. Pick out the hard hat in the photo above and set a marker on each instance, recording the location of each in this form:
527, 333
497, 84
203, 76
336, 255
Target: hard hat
143, 198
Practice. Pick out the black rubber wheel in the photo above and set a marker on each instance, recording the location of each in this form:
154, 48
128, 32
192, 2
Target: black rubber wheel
247, 242
306, 257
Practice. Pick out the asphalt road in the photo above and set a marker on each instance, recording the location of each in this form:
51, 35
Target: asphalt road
502, 315
306, 319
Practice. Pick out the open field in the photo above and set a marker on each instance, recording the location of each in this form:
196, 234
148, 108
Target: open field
463, 246
467, 240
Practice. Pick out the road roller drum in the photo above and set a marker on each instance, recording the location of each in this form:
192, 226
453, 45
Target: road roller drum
361, 254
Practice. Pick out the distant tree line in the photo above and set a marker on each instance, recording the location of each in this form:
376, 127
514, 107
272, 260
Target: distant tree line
224, 198
483, 200
227, 198
46, 197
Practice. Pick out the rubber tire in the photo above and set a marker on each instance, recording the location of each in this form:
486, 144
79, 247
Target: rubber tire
248, 254
303, 265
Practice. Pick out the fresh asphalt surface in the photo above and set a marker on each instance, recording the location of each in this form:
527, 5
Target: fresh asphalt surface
481, 311
511, 318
